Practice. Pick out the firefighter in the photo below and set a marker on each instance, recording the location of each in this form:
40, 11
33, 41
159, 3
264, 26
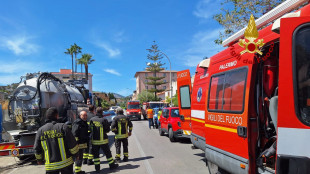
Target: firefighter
80, 132
99, 139
120, 126
149, 113
55, 144
87, 155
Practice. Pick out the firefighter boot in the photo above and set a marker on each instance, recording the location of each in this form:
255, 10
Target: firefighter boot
117, 158
125, 159
113, 166
97, 167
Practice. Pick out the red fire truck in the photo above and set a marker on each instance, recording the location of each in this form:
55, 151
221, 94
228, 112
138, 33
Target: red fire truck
133, 110
254, 110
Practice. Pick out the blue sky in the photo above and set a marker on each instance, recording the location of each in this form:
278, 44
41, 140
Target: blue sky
35, 34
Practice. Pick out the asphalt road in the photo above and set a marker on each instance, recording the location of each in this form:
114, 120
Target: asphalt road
149, 153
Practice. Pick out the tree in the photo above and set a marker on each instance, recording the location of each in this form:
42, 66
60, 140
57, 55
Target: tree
80, 62
174, 100
155, 55
146, 96
70, 52
236, 18
86, 59
76, 50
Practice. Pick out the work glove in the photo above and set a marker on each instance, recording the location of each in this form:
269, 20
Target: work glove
129, 133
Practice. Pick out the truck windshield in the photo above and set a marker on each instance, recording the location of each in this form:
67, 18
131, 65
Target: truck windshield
137, 106
156, 105
302, 71
175, 113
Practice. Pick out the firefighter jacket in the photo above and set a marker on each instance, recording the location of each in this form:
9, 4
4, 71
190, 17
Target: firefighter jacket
99, 127
56, 145
120, 126
149, 113
80, 132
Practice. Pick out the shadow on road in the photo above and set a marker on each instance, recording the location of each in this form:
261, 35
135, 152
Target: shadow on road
141, 158
201, 155
121, 167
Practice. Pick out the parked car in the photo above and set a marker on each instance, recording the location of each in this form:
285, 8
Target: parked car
113, 108
109, 115
170, 122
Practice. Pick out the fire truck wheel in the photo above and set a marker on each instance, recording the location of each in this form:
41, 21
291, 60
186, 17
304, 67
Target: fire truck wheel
171, 137
161, 132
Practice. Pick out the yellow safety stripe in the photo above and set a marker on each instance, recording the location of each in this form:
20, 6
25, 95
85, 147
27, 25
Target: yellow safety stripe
221, 128
90, 156
117, 155
77, 169
77, 138
111, 161
96, 161
99, 142
121, 136
119, 124
101, 133
74, 150
114, 129
59, 165
85, 155
46, 156
83, 146
62, 148
38, 156
126, 154
130, 128
200, 121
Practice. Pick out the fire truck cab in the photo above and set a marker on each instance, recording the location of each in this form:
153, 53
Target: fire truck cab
257, 106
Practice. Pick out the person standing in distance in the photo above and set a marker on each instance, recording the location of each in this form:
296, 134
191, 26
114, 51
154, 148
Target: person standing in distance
149, 113
99, 139
122, 127
87, 155
80, 132
55, 144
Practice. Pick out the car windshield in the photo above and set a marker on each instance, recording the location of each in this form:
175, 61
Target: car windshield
114, 107
133, 106
108, 113
175, 113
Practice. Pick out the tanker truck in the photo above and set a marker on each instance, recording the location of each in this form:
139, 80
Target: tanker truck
27, 106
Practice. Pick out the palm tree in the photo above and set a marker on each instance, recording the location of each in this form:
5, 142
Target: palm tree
70, 51
86, 59
76, 50
80, 62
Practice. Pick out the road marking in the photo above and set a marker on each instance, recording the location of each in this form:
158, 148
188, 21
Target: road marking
146, 162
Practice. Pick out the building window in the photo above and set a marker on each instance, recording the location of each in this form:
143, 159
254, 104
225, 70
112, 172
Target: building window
66, 77
165, 81
146, 81
227, 91
164, 87
145, 74
173, 74
164, 74
154, 74
146, 87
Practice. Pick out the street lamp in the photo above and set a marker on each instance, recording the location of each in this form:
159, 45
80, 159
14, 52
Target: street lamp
170, 76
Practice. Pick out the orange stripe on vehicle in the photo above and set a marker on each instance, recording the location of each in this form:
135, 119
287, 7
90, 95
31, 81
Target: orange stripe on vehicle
1, 147
200, 121
187, 118
221, 128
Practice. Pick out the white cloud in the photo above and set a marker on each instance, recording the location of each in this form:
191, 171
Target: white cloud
119, 37
202, 45
19, 45
112, 71
113, 52
206, 8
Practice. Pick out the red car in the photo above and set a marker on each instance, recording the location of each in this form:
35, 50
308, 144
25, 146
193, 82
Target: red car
170, 122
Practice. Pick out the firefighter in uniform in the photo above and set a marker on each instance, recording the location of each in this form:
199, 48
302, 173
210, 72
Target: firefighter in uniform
55, 144
149, 113
87, 155
80, 132
120, 126
99, 139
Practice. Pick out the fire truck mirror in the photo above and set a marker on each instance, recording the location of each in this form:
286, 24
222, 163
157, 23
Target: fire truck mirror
182, 117
242, 131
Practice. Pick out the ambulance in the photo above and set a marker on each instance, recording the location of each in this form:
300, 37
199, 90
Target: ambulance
250, 103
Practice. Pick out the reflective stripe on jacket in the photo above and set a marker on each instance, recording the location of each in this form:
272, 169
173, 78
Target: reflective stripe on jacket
99, 128
149, 113
55, 144
121, 125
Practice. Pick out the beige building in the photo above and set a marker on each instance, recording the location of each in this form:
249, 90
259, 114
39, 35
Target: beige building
66, 75
142, 75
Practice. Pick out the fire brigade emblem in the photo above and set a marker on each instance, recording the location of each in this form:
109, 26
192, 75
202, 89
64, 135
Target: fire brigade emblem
251, 34
199, 94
